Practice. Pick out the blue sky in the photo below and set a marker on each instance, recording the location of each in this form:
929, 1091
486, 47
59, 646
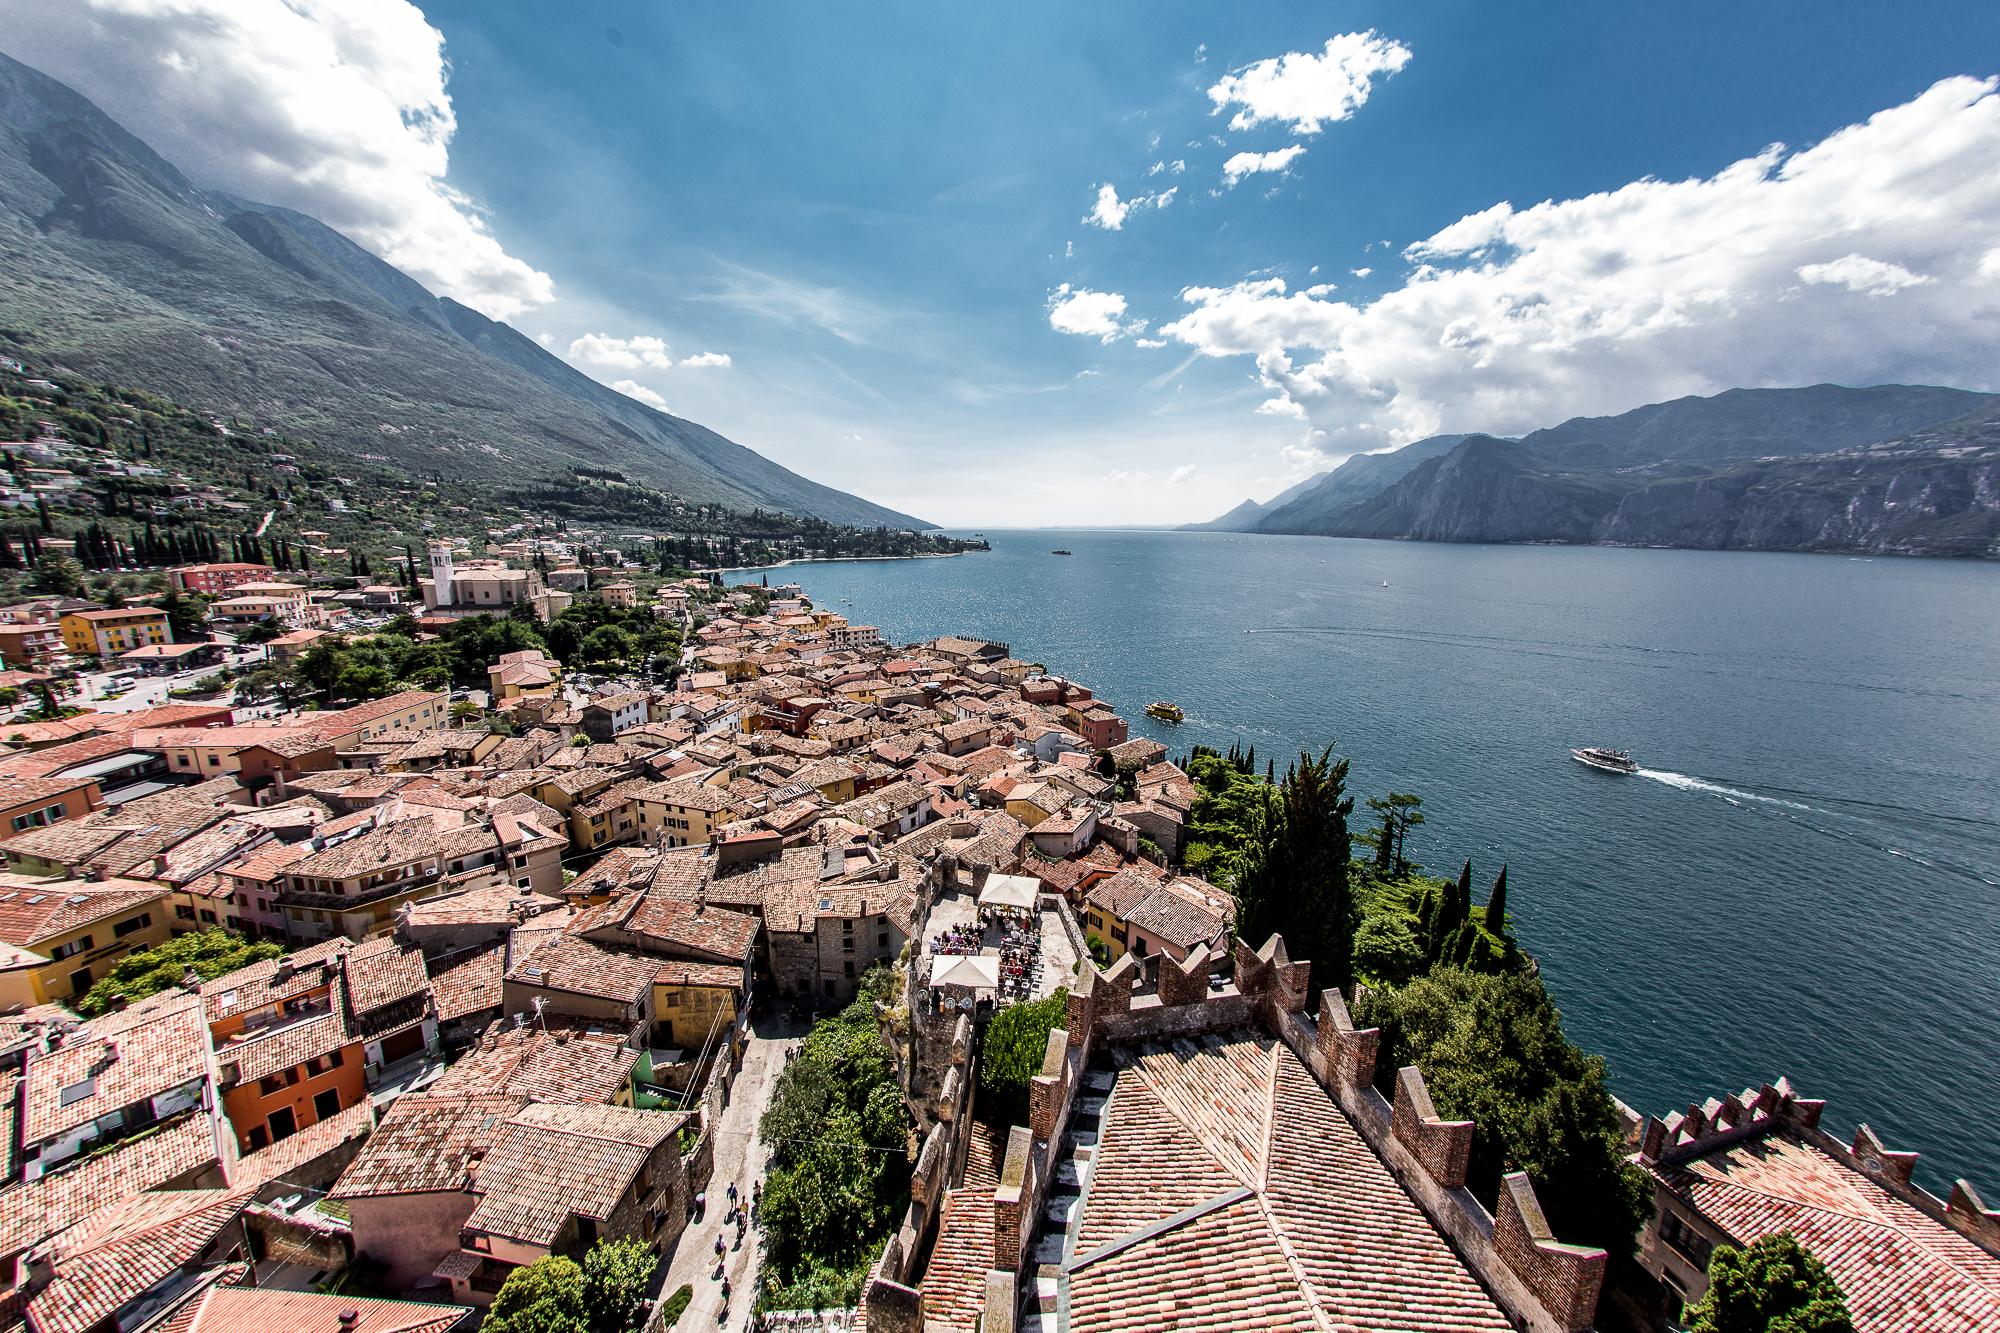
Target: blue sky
877, 214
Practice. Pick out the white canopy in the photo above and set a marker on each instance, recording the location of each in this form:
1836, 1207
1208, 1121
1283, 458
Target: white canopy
1010, 891
966, 970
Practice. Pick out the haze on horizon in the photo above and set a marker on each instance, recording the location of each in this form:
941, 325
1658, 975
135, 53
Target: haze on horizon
1036, 266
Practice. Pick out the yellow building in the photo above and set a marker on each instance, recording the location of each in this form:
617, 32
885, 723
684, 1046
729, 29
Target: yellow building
619, 594
695, 1003
528, 672
59, 937
107, 633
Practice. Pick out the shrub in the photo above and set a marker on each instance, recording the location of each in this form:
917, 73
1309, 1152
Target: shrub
210, 953
1775, 1286
1016, 1041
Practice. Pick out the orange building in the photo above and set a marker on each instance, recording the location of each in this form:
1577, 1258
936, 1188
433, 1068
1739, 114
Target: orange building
213, 579
282, 1044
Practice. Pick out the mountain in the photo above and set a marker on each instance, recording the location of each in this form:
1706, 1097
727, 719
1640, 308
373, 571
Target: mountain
1357, 479
1931, 492
1244, 517
1743, 424
123, 269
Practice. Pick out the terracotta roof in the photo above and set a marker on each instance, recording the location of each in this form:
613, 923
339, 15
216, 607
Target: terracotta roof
32, 910
551, 1060
254, 1170
161, 1042
468, 981
31, 1211
568, 963
117, 1253
1123, 892
550, 1162
716, 976
1179, 915
1899, 1271
1304, 1227
384, 971
424, 1145
715, 932
254, 1310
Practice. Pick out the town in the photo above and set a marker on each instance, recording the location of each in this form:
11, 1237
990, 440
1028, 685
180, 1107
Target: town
386, 1004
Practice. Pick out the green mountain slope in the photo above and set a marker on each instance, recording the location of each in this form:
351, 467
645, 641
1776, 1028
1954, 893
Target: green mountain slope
122, 269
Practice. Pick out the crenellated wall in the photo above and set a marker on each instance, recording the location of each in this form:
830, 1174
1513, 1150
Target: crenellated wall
890, 1303
1777, 1108
1543, 1285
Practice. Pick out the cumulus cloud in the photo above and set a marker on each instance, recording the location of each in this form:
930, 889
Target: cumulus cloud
1870, 277
1246, 164
336, 108
1091, 314
1770, 272
1180, 475
705, 359
1305, 90
1110, 213
633, 389
601, 349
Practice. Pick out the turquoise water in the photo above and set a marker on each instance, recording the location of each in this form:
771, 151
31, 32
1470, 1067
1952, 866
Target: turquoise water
1802, 881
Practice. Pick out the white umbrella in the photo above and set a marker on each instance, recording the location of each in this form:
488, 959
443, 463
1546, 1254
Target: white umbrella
1010, 891
967, 970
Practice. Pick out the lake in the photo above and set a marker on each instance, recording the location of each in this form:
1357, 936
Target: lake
1803, 879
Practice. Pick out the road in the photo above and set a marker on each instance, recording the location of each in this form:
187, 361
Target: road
740, 1157
151, 691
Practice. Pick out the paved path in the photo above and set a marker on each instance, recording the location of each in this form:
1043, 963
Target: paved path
739, 1157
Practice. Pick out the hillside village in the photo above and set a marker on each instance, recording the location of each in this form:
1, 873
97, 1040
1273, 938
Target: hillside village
534, 970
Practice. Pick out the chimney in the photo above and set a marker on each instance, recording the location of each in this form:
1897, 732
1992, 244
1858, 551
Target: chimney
118, 1003
191, 981
160, 864
350, 1317
100, 872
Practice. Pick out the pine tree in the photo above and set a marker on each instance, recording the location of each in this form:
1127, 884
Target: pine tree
1294, 875
1496, 905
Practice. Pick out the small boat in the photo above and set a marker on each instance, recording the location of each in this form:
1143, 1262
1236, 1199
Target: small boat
1062, 553
1164, 711
1611, 761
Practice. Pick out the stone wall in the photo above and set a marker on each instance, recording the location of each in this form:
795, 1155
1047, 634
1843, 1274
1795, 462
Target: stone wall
310, 1238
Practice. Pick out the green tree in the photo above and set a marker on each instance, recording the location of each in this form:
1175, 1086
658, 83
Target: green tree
615, 1274
1387, 950
1294, 872
1398, 813
364, 682
1016, 1041
1775, 1286
261, 631
606, 644
59, 575
321, 665
210, 953
1493, 1051
1496, 905
545, 1296
186, 616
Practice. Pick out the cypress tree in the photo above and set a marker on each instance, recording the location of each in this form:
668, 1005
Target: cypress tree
1294, 875
305, 560
1496, 905
1464, 907
8, 559
42, 510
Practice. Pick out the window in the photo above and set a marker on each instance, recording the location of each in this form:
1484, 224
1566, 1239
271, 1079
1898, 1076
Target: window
71, 949
184, 912
673, 1000
882, 940
327, 1104
208, 916
130, 924
848, 944
850, 967
269, 1085
1688, 1242
79, 980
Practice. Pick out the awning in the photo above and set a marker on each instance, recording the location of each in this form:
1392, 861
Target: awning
1010, 891
966, 970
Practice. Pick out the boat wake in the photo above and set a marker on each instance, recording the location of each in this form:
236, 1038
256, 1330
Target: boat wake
1682, 782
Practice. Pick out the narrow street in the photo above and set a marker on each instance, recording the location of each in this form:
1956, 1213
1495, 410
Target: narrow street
739, 1157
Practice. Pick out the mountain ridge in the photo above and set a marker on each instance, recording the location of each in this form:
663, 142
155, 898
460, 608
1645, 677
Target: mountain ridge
124, 267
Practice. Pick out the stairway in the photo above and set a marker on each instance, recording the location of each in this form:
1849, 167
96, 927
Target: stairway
1064, 1207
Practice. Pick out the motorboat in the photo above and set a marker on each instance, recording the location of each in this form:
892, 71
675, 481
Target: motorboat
1611, 761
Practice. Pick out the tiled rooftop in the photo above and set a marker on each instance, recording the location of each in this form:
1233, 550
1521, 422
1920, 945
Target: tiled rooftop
1900, 1271
550, 1161
425, 1144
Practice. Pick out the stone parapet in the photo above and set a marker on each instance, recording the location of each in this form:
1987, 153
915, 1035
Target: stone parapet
1349, 1054
1565, 1279
1442, 1147
1184, 982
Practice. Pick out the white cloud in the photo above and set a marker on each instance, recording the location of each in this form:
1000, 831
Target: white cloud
645, 395
1306, 89
1359, 272
705, 359
1116, 475
1516, 320
1108, 213
1177, 166
1165, 197
1091, 314
1858, 273
1180, 475
1245, 164
624, 353
1151, 342
336, 108
1156, 168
